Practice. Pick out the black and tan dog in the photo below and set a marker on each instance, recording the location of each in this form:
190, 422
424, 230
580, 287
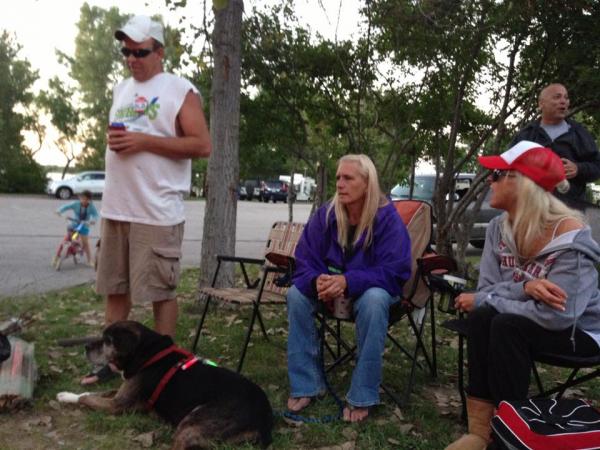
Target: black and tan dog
205, 403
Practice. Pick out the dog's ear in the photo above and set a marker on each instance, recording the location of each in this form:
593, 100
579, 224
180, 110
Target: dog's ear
147, 344
150, 342
124, 340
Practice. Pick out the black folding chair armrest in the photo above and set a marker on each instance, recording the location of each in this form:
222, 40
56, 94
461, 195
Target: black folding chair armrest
282, 260
438, 283
436, 263
240, 259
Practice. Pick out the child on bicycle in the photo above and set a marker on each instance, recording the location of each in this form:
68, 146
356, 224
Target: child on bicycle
83, 211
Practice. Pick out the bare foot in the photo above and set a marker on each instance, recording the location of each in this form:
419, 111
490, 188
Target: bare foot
355, 414
297, 404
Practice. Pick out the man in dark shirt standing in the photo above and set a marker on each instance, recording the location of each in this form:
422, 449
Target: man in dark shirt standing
569, 140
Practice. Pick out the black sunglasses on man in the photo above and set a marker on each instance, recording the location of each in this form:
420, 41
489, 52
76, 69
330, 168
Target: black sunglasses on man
137, 52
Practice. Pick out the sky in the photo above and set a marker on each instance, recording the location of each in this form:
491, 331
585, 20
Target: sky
42, 26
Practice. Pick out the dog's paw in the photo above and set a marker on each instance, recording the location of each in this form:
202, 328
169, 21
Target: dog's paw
69, 397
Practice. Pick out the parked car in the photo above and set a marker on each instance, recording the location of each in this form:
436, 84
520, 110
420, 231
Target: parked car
424, 188
304, 187
92, 181
249, 189
274, 190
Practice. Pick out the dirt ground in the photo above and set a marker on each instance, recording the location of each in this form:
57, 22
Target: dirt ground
65, 427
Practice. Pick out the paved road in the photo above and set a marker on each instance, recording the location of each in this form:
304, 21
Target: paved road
30, 232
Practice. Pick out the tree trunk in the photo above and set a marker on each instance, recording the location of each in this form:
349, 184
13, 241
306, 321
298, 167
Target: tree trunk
291, 195
321, 193
223, 166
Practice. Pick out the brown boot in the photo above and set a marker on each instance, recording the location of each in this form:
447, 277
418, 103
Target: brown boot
480, 414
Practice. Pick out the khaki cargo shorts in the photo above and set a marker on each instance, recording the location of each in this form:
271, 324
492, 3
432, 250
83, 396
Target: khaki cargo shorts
142, 260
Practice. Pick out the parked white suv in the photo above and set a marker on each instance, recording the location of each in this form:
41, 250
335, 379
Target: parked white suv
92, 181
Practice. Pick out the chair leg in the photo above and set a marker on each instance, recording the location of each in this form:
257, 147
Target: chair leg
255, 314
262, 324
338, 329
433, 343
330, 350
559, 390
567, 384
200, 324
418, 345
461, 377
403, 350
350, 354
397, 400
336, 350
538, 380
339, 344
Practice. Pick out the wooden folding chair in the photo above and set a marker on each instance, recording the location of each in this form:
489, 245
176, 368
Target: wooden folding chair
282, 240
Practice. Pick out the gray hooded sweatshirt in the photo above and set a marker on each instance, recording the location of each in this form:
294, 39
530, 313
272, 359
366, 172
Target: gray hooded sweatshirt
567, 260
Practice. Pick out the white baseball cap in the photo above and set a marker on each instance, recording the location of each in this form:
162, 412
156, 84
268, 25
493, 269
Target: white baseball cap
141, 28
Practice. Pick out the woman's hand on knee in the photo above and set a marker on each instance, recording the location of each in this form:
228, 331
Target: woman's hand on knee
547, 292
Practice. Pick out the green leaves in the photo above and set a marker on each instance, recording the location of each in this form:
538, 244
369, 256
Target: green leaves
18, 170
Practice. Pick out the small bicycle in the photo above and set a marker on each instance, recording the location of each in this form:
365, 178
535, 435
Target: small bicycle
71, 245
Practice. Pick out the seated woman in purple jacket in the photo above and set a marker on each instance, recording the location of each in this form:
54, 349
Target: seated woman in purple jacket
356, 247
538, 287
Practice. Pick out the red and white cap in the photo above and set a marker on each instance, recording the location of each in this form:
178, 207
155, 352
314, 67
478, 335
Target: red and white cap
536, 162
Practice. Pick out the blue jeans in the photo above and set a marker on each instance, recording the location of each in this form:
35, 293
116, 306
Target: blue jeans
371, 312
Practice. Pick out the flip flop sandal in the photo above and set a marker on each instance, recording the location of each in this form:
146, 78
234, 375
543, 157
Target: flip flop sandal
300, 409
103, 374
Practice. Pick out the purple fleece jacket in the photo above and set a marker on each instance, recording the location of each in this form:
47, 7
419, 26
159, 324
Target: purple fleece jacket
386, 263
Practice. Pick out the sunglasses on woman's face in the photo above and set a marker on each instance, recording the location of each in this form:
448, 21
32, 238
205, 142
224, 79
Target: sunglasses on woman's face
137, 53
497, 174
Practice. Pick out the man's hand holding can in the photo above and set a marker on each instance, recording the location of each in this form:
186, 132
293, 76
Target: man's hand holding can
115, 130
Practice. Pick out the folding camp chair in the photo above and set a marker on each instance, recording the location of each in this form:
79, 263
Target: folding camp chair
282, 240
459, 326
417, 216
569, 362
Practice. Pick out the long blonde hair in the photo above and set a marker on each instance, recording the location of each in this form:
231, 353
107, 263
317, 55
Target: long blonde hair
374, 199
537, 210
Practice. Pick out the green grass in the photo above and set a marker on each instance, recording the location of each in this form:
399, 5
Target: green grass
430, 421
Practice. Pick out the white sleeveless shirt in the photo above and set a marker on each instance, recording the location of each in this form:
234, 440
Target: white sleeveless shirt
145, 187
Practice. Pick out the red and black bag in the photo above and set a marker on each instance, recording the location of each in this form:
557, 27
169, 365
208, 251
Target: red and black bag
544, 424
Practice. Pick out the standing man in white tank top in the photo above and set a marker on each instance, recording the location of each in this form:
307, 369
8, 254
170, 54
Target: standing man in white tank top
156, 127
